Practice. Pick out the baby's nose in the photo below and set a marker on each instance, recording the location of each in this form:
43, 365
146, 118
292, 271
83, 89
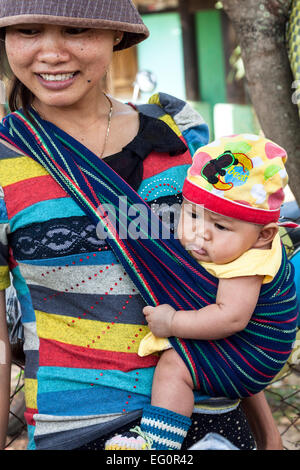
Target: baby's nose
206, 232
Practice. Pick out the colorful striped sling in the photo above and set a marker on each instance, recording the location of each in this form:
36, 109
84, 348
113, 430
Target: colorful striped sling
161, 268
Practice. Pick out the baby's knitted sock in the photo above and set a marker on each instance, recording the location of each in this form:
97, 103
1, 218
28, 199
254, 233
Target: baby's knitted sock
166, 428
160, 429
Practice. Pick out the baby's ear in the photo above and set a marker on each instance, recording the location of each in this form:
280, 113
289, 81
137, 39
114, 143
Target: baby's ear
266, 235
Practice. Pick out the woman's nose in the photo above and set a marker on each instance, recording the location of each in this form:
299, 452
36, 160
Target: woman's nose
52, 49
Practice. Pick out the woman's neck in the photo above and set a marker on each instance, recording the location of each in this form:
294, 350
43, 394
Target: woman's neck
88, 123
81, 115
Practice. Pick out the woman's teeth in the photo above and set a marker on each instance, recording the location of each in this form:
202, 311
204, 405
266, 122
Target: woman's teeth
58, 77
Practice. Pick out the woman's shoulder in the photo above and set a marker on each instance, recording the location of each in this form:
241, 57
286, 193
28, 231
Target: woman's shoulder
180, 116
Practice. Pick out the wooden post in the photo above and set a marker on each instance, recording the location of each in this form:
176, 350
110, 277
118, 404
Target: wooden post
189, 51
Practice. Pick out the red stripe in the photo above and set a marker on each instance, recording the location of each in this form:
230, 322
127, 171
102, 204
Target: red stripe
245, 360
158, 162
12, 262
183, 261
174, 274
180, 295
273, 321
30, 191
274, 350
56, 354
156, 278
28, 415
193, 364
220, 354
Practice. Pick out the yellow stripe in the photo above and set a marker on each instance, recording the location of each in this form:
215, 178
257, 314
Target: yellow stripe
171, 123
154, 99
90, 333
31, 393
13, 170
214, 406
4, 277
166, 118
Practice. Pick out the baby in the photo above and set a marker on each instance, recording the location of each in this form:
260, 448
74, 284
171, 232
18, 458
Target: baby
228, 223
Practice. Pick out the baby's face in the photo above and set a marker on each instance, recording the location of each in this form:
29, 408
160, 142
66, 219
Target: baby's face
212, 237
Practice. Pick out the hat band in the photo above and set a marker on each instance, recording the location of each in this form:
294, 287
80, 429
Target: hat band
214, 203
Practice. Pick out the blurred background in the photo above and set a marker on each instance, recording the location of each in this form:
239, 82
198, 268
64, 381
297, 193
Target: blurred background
193, 54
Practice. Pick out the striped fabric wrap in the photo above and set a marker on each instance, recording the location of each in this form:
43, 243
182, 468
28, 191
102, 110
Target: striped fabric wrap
159, 268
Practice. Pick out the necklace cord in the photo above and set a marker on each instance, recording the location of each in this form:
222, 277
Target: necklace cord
108, 124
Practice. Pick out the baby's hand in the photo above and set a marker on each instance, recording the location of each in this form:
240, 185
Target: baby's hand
160, 319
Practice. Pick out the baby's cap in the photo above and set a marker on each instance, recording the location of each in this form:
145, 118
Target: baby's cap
240, 176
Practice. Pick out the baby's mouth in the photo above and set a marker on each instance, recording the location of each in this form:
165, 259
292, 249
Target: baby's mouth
200, 251
196, 249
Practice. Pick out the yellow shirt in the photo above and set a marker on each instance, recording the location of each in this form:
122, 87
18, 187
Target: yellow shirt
251, 263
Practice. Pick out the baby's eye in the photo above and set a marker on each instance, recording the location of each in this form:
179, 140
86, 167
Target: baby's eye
220, 227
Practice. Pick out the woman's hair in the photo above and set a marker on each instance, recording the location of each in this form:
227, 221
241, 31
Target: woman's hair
18, 93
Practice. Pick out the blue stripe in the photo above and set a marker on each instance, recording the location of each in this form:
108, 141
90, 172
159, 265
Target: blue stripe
44, 210
19, 282
96, 400
196, 137
3, 212
174, 175
31, 443
28, 314
64, 379
86, 259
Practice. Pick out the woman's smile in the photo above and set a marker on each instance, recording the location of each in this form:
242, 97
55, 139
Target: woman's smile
51, 59
58, 81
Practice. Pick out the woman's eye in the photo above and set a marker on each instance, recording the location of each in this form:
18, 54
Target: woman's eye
75, 31
28, 32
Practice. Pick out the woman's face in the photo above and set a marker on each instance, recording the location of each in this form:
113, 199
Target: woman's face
60, 65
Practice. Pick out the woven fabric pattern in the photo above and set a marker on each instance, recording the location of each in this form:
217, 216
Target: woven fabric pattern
81, 313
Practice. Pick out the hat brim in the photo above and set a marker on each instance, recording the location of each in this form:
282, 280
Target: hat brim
133, 33
197, 195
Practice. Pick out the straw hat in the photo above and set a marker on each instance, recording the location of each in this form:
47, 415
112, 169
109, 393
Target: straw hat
119, 15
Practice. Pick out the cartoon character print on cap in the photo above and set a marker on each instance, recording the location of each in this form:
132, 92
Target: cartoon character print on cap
215, 168
229, 169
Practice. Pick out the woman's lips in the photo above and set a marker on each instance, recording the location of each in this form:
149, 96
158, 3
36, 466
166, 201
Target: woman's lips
56, 84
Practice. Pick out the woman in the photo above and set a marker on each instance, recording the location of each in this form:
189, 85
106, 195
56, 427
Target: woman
82, 315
